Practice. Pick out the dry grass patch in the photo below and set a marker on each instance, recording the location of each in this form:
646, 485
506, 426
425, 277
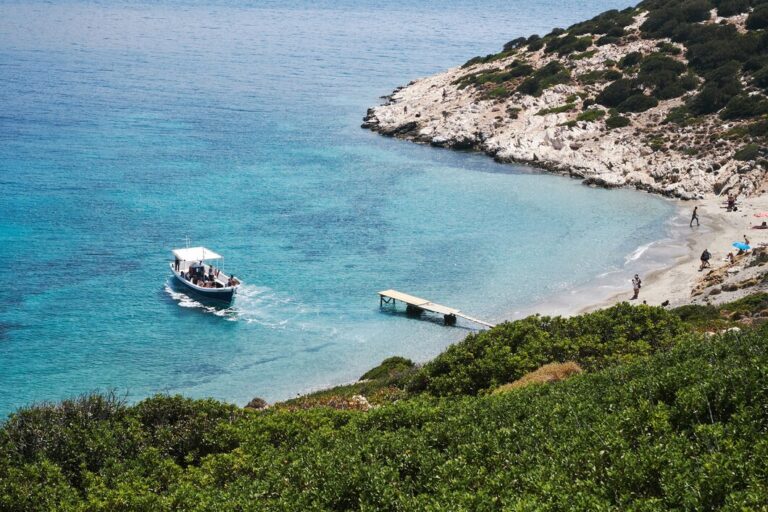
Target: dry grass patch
552, 372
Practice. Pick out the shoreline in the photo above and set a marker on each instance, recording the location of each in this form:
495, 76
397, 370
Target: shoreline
669, 266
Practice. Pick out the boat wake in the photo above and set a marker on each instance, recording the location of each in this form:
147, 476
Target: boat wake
185, 301
252, 304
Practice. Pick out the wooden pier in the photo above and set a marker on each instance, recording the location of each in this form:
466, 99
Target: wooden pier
416, 305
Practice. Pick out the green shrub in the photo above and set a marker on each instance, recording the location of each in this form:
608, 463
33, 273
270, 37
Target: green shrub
743, 106
630, 59
761, 78
591, 115
617, 92
535, 45
186, 430
748, 152
75, 435
679, 115
551, 74
637, 103
477, 60
611, 23
669, 48
674, 90
616, 121
606, 40
583, 55
758, 129
556, 110
758, 18
695, 10
389, 368
699, 315
689, 81
498, 93
514, 44
713, 97
727, 8
568, 44
658, 70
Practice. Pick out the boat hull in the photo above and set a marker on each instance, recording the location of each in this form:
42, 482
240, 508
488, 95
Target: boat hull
221, 294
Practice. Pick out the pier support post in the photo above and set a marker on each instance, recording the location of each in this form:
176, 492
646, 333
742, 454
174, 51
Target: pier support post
412, 310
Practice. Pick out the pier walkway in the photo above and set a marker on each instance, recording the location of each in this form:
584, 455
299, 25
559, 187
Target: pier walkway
415, 305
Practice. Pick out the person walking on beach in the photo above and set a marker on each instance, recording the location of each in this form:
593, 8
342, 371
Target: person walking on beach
695, 216
636, 284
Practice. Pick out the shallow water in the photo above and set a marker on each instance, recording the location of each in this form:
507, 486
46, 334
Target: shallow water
126, 127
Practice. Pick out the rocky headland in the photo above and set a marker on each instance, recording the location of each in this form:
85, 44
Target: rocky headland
665, 97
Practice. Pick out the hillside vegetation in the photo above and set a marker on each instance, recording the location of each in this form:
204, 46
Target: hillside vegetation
665, 416
713, 53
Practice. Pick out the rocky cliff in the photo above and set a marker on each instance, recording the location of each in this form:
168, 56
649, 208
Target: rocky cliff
608, 101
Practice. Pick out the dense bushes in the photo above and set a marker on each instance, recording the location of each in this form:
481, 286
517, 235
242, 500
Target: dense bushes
743, 106
617, 92
616, 121
625, 95
568, 44
551, 74
758, 18
488, 359
726, 8
748, 152
611, 23
515, 69
730, 61
683, 429
389, 368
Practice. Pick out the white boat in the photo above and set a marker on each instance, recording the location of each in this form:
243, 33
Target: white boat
195, 268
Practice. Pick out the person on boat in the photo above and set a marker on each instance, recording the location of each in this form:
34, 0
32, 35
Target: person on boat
176, 264
210, 274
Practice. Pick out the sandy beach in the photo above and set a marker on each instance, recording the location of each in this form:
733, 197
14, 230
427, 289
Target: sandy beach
669, 267
722, 228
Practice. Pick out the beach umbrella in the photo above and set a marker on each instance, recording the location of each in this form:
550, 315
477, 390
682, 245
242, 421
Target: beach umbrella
741, 246
761, 214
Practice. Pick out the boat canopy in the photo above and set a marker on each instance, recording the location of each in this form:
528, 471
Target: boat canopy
196, 254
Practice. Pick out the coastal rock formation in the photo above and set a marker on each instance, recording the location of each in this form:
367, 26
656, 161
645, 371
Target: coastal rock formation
626, 108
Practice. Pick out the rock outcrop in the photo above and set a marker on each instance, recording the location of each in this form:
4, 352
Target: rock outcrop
564, 131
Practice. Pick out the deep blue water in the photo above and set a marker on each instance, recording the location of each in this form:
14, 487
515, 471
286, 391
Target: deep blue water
125, 127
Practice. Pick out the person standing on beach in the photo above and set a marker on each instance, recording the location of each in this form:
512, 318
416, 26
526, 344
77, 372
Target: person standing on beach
636, 284
695, 216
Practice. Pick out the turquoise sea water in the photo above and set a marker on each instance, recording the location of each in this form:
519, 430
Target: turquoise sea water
125, 127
